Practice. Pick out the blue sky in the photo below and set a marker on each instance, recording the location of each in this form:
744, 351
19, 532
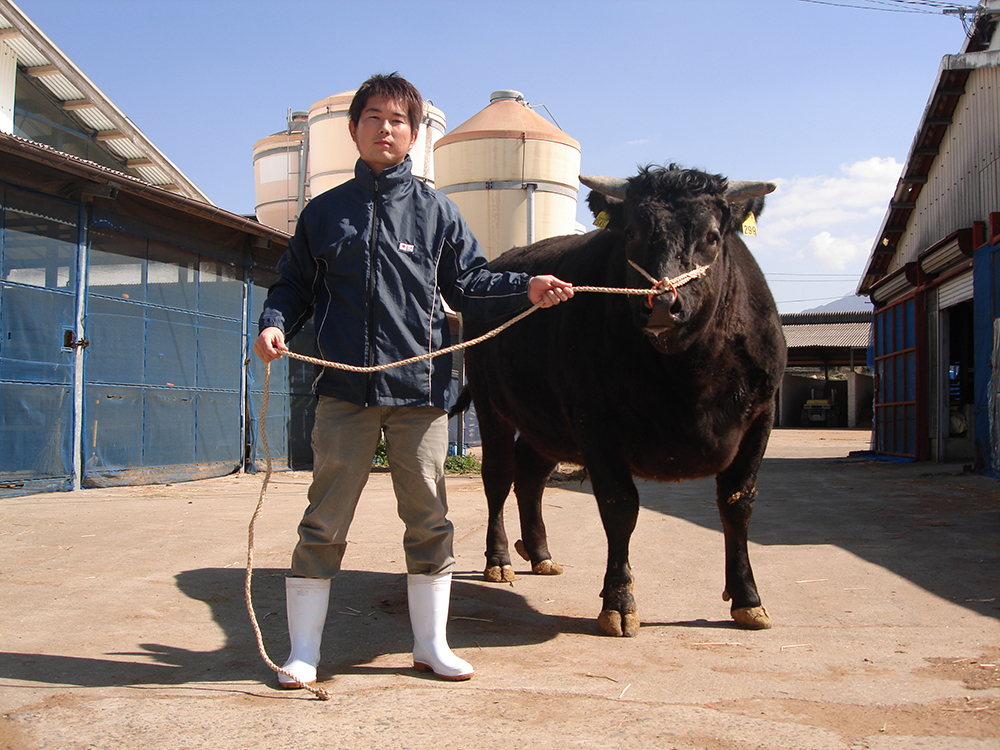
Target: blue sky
821, 98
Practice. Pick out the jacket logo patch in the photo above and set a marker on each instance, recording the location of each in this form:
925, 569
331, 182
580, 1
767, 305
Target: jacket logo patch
405, 248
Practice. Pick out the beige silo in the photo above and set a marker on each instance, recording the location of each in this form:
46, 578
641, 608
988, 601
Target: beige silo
432, 127
332, 153
512, 173
279, 187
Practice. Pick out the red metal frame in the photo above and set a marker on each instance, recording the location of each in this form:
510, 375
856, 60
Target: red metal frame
911, 442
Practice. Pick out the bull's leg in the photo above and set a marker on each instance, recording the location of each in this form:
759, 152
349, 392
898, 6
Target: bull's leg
498, 476
736, 489
618, 503
531, 471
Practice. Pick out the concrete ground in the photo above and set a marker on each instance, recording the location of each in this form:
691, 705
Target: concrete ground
124, 625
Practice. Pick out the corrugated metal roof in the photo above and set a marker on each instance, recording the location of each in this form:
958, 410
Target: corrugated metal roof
14, 147
832, 316
847, 329
81, 99
840, 335
93, 118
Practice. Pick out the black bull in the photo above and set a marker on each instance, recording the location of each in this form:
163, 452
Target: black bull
676, 386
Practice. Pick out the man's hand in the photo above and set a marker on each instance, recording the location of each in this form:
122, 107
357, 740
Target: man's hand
548, 290
270, 344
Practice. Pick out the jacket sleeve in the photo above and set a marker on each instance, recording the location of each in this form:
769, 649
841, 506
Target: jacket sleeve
292, 298
467, 283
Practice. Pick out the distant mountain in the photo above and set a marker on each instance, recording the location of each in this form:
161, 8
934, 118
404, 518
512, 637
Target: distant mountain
844, 304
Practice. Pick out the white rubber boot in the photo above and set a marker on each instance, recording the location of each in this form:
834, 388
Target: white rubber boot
306, 601
429, 598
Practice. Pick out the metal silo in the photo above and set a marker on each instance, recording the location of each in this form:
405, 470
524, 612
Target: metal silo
332, 153
280, 186
432, 127
512, 173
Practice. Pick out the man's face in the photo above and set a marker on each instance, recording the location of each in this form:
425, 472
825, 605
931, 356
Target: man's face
383, 135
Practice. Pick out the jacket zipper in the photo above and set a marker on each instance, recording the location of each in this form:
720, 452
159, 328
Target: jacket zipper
372, 256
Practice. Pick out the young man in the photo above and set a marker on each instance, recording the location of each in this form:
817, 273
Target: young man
372, 260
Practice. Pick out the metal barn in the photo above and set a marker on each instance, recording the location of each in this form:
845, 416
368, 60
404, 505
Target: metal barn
127, 300
934, 271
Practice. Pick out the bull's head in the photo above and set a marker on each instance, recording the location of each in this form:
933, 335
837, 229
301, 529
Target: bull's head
674, 221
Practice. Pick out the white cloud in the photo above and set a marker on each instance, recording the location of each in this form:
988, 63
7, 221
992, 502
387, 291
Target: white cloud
839, 253
807, 214
816, 232
864, 189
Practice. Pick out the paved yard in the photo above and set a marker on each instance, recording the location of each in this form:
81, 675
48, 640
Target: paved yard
124, 623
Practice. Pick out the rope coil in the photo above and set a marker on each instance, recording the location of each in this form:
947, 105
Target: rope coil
660, 286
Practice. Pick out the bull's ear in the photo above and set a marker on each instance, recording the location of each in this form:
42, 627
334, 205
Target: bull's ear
742, 210
609, 213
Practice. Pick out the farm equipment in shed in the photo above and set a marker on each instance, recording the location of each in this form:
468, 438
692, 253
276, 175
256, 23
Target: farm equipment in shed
821, 412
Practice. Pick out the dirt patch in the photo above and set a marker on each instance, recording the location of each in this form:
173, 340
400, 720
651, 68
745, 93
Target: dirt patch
976, 674
11, 737
956, 497
977, 718
973, 717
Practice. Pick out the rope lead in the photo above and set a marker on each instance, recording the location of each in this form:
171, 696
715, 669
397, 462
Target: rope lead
318, 691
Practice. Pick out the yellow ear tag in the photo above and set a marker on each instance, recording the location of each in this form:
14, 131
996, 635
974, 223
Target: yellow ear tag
602, 220
750, 226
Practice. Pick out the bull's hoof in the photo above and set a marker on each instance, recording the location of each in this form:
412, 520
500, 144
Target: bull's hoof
499, 574
542, 568
610, 622
725, 595
752, 618
547, 568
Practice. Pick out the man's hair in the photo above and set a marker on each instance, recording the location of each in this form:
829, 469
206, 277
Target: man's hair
394, 87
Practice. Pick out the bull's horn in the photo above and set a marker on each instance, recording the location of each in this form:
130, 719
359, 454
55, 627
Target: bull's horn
744, 190
613, 187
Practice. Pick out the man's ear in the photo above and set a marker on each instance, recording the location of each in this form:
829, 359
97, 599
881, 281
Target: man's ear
352, 130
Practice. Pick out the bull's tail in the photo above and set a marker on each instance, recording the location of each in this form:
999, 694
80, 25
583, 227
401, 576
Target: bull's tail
463, 402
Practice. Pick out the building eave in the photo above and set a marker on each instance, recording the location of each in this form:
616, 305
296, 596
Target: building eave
82, 178
948, 89
78, 95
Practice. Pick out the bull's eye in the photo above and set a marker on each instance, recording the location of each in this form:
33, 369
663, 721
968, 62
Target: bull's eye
712, 238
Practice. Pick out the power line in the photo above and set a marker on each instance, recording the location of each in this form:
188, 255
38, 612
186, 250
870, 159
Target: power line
923, 7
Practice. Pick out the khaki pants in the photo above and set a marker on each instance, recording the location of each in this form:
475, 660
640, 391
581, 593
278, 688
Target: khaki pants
344, 439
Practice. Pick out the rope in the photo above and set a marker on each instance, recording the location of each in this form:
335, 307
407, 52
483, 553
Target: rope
319, 692
672, 284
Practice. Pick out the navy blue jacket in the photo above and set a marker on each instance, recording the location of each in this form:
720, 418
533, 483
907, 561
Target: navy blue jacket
372, 259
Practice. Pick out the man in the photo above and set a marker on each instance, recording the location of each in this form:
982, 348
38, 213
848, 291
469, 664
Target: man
372, 260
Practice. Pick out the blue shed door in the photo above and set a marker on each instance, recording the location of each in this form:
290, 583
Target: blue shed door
38, 341
164, 371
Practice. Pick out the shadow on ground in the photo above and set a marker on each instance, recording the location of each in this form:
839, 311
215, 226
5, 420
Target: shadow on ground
368, 618
930, 524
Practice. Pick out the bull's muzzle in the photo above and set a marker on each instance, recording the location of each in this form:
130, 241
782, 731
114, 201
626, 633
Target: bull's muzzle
665, 312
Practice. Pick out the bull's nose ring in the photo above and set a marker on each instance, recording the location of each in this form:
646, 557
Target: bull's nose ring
653, 292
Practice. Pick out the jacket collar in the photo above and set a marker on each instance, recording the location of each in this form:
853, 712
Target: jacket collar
389, 179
